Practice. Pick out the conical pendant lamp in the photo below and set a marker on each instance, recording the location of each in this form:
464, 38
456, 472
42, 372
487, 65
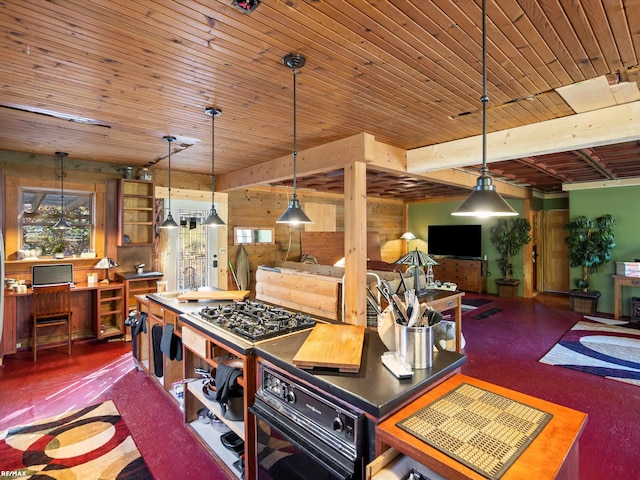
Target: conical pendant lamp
169, 222
62, 223
213, 220
484, 200
294, 214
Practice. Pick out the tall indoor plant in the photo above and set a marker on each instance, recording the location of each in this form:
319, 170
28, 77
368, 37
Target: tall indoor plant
590, 243
508, 236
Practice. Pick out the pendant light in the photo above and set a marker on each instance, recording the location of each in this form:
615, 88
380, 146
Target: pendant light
62, 223
213, 220
484, 200
169, 222
294, 214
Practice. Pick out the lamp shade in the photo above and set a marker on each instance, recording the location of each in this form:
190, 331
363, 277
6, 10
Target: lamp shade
62, 223
484, 201
408, 236
294, 214
169, 222
105, 263
416, 257
213, 220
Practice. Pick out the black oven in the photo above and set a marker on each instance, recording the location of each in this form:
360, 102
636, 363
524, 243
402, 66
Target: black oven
302, 434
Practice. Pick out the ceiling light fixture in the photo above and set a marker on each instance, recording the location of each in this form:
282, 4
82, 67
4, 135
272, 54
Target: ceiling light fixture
62, 223
169, 222
484, 200
246, 6
213, 220
294, 214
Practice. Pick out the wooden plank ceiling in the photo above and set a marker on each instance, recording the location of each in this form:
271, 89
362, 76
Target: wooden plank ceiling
105, 80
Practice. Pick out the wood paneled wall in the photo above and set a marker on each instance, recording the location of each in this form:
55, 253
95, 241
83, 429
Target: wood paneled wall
261, 207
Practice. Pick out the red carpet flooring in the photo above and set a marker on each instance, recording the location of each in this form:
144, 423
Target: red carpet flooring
503, 348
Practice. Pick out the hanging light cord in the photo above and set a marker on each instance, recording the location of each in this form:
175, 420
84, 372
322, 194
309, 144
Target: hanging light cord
295, 150
484, 98
169, 140
62, 185
213, 156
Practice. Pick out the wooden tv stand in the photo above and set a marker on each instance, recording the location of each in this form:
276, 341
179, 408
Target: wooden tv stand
468, 275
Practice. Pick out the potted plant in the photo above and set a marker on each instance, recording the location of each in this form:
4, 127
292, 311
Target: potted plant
58, 250
590, 243
508, 236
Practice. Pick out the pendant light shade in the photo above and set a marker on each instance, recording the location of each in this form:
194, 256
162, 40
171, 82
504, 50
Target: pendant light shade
294, 214
484, 200
169, 221
213, 220
62, 222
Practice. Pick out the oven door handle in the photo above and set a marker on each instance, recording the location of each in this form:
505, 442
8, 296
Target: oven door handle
339, 466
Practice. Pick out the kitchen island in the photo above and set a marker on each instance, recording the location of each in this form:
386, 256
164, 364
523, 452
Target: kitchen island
374, 392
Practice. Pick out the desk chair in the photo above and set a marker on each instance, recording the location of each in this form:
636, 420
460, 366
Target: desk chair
51, 308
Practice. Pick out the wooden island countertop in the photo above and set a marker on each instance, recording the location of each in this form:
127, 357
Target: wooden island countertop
552, 454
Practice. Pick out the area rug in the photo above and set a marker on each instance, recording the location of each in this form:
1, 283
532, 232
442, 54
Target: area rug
90, 443
600, 348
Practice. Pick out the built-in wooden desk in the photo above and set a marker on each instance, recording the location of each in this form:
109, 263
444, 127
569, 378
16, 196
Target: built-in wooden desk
442, 300
552, 454
620, 281
98, 311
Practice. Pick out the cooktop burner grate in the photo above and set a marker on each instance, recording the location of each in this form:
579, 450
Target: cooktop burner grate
255, 320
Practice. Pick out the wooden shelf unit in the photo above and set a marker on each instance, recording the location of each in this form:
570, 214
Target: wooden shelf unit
139, 286
171, 369
110, 311
135, 212
142, 340
8, 345
468, 275
203, 351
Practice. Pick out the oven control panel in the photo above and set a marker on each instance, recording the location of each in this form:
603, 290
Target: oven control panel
307, 406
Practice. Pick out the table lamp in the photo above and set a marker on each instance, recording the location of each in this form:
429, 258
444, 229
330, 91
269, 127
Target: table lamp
106, 263
417, 259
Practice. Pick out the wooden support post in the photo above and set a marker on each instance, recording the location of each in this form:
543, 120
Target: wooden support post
355, 243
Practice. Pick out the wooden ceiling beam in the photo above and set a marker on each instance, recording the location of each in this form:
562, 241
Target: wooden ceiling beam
323, 158
617, 124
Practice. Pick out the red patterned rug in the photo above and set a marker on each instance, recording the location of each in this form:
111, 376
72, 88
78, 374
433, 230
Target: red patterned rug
90, 443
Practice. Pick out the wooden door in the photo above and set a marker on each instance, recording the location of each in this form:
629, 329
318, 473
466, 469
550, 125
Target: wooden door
554, 257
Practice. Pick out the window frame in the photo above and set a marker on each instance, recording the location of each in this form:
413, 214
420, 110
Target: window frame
56, 192
13, 207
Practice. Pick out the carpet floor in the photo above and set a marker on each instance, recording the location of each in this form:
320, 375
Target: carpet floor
596, 346
504, 349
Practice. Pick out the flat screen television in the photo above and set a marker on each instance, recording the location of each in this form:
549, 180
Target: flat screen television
455, 240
